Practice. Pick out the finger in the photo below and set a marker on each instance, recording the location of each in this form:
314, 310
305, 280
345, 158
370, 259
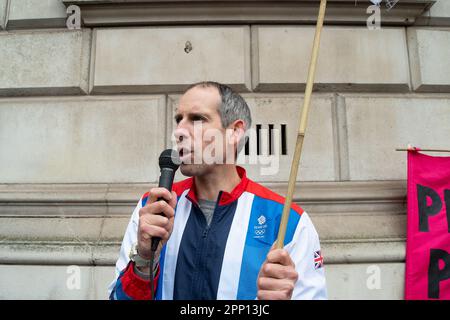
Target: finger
156, 193
273, 247
275, 284
280, 256
145, 236
265, 283
163, 207
159, 207
173, 201
271, 295
152, 231
152, 198
278, 271
156, 220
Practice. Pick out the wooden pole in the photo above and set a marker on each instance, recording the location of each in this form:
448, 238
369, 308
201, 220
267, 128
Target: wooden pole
302, 128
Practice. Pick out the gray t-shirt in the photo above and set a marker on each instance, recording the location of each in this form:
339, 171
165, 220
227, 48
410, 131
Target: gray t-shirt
207, 207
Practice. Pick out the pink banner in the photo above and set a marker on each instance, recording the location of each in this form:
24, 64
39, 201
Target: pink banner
428, 239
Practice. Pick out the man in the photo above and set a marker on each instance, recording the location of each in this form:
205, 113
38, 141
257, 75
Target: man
219, 227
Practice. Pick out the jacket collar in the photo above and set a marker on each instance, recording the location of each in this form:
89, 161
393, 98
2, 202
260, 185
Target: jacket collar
224, 198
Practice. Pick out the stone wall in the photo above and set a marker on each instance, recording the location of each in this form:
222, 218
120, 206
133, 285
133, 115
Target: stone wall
85, 113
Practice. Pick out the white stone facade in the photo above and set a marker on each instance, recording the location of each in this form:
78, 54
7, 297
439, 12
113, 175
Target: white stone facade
85, 113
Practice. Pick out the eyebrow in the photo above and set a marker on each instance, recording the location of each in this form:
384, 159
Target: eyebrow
193, 114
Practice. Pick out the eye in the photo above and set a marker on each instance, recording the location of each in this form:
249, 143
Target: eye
178, 118
198, 117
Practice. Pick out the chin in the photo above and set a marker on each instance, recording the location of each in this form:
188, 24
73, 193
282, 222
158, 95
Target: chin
185, 170
191, 170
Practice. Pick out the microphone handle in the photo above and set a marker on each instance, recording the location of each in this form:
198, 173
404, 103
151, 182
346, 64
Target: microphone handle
166, 178
165, 181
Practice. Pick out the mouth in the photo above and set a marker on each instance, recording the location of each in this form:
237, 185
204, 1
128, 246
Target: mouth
185, 155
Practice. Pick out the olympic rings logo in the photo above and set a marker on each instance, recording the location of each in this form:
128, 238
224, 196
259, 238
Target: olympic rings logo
260, 232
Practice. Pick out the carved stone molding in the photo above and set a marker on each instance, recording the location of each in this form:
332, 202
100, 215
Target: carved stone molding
160, 12
106, 253
358, 222
119, 199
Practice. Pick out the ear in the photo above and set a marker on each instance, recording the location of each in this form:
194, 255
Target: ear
238, 127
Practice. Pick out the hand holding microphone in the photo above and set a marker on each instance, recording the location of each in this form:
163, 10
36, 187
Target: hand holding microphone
156, 218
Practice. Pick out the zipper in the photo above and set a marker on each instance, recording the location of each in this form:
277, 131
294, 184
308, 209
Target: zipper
199, 283
205, 232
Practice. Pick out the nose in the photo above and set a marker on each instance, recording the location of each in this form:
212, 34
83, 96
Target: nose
181, 134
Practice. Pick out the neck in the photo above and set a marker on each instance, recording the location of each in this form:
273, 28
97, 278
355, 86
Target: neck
221, 178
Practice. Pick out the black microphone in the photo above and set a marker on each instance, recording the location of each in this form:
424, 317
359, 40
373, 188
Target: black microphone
168, 163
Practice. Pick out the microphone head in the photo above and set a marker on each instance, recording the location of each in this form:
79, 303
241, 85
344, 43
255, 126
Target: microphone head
169, 159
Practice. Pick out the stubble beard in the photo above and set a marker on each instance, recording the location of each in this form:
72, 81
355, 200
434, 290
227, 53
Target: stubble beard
192, 170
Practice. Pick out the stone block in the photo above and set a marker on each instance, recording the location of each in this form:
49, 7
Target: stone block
377, 125
113, 229
36, 14
64, 228
350, 58
351, 226
94, 139
3, 5
44, 62
382, 281
429, 58
160, 59
69, 282
440, 9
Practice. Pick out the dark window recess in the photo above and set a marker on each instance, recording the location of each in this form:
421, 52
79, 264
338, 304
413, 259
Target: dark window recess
271, 148
283, 140
271, 144
247, 147
258, 139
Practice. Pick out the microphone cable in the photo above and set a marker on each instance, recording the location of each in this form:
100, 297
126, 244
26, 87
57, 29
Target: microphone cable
152, 278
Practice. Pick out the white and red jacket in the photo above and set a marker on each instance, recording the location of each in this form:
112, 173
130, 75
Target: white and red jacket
222, 261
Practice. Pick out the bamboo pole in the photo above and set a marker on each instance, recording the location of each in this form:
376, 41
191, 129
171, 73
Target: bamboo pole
302, 128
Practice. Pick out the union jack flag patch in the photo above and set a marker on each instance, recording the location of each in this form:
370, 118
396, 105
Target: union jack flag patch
318, 260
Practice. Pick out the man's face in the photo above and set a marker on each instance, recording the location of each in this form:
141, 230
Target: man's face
200, 137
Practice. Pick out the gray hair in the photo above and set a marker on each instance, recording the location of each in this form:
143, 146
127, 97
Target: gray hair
232, 107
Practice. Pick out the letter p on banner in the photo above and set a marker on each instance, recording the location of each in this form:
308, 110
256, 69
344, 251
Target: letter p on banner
427, 273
